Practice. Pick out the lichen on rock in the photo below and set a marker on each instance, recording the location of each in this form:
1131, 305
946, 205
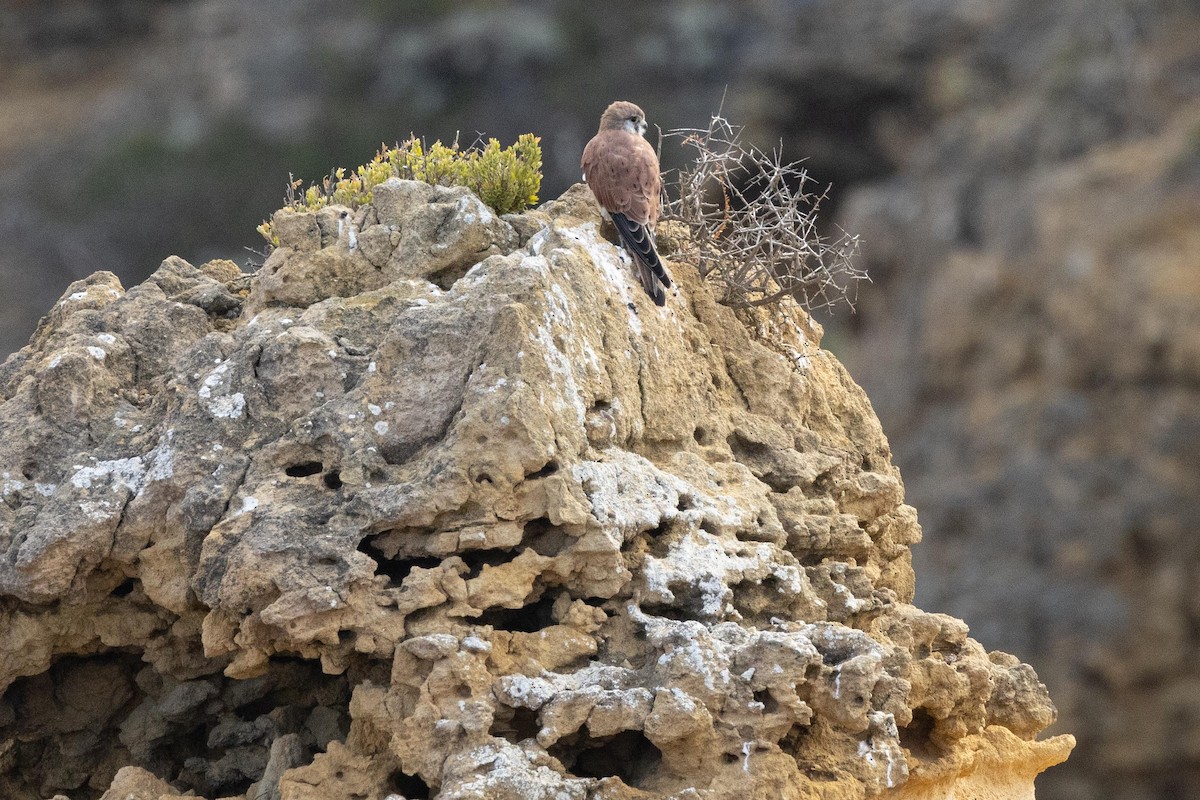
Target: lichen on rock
437, 503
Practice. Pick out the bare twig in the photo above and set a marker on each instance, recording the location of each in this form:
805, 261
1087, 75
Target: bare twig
752, 222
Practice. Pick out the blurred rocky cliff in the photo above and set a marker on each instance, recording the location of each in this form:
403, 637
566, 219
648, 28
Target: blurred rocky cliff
1025, 176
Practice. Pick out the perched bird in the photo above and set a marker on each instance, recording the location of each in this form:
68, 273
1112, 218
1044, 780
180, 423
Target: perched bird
622, 170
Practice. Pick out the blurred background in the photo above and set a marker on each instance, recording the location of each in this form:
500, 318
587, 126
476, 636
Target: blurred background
1025, 175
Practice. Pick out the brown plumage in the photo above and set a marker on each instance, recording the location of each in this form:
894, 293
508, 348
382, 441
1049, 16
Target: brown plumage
622, 170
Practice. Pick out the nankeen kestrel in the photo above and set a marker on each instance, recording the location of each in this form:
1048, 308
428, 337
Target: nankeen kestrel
622, 170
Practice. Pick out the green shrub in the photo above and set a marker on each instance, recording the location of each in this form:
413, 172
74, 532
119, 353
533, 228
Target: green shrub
506, 179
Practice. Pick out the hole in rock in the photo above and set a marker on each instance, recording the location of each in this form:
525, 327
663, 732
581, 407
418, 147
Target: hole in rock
397, 452
797, 740
304, 469
125, 588
780, 484
685, 503
395, 569
823, 484
755, 534
318, 516
917, 736
545, 538
483, 477
690, 602
517, 726
476, 560
63, 723
809, 558
702, 436
730, 758
410, 787
85, 716
658, 540
745, 448
666, 612
769, 703
527, 619
548, 469
836, 652
446, 279
333, 479
600, 406
820, 775
629, 756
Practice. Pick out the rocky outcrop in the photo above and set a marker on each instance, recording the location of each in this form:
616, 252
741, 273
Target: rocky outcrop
1046, 464
439, 504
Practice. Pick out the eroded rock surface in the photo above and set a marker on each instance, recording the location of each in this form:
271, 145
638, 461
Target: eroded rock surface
438, 504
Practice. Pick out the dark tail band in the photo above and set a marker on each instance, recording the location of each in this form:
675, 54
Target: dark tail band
638, 241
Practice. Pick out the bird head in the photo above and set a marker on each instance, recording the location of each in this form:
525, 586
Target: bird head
623, 115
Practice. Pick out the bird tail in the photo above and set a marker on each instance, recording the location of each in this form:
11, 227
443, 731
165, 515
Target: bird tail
651, 272
650, 282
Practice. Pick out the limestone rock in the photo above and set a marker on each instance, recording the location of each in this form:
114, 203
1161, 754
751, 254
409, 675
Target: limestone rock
441, 505
135, 783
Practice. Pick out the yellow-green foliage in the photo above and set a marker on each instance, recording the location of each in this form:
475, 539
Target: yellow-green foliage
507, 179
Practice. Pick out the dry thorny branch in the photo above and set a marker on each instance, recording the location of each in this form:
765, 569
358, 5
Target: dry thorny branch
752, 219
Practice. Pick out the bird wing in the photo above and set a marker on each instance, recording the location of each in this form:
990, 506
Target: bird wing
622, 170
637, 241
